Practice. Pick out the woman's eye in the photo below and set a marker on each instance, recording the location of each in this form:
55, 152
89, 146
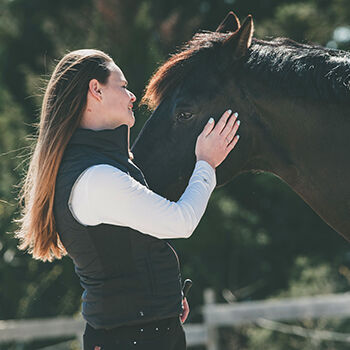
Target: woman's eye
184, 115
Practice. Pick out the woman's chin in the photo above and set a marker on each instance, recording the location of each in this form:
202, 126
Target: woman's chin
132, 121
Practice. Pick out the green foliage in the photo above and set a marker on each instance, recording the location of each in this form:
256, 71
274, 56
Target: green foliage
257, 240
301, 22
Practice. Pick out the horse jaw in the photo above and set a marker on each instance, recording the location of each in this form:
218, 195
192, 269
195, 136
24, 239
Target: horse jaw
312, 159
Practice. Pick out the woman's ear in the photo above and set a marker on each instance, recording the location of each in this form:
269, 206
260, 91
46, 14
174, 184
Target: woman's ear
95, 89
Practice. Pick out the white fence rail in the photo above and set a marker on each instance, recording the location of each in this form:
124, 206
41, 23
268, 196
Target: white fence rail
282, 309
215, 315
27, 330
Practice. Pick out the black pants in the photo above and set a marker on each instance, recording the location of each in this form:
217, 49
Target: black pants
167, 334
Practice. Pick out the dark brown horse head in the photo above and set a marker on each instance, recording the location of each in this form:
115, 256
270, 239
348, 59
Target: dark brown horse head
186, 90
293, 103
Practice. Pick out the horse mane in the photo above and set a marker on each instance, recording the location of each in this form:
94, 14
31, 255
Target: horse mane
300, 69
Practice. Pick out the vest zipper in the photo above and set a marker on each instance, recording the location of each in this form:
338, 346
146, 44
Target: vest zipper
176, 256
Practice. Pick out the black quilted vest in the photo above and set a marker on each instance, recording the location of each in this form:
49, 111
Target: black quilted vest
128, 277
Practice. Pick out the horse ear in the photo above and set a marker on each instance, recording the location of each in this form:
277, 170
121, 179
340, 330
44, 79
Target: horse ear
241, 40
229, 24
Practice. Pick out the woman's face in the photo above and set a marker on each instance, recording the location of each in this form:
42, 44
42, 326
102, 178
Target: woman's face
117, 100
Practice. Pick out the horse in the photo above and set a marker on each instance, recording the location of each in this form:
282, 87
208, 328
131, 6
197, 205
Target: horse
293, 101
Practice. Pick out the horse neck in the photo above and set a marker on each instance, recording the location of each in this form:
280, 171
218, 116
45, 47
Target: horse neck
306, 144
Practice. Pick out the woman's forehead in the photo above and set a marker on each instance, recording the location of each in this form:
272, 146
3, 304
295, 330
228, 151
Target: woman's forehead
117, 74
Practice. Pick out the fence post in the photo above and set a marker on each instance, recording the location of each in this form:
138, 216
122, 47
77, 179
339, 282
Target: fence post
213, 335
80, 340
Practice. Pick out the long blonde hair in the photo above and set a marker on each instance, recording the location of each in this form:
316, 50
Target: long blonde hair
62, 109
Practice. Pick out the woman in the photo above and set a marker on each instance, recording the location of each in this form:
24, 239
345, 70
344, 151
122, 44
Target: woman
84, 197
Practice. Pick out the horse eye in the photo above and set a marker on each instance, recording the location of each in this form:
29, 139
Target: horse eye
184, 115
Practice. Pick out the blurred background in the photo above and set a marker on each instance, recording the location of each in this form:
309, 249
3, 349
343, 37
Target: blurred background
257, 240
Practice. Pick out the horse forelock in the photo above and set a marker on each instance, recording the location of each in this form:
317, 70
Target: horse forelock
174, 70
301, 68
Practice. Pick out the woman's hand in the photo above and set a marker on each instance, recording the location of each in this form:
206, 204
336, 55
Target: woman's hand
185, 310
215, 143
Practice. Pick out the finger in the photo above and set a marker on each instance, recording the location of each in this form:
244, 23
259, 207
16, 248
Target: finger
186, 310
187, 307
229, 125
208, 127
232, 144
184, 317
182, 307
229, 137
222, 121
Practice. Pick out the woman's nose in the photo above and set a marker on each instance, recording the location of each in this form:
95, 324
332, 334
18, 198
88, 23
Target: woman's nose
133, 97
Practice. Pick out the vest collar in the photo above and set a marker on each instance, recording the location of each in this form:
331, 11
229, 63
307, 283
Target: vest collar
115, 140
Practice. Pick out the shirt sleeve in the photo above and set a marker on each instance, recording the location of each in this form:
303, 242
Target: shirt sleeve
105, 194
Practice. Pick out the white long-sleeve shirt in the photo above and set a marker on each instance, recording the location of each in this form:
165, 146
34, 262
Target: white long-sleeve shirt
105, 194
